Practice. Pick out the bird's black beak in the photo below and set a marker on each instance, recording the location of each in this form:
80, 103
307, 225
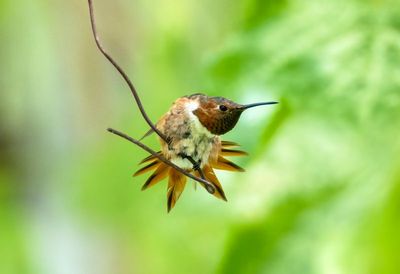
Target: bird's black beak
243, 107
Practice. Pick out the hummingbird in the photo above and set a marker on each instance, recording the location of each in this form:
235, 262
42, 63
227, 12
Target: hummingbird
193, 126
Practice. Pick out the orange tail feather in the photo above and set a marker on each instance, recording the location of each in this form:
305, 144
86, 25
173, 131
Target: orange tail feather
160, 173
229, 144
212, 178
176, 185
232, 152
149, 158
147, 168
225, 164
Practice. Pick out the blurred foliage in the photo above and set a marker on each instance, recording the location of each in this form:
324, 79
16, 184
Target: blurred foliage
322, 188
263, 239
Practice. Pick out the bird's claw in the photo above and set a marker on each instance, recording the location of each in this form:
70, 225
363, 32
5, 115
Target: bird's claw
196, 166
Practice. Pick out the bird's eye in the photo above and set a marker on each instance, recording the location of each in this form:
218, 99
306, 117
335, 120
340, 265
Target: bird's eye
223, 108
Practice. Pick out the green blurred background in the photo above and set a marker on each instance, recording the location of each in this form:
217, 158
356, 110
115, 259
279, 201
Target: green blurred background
322, 189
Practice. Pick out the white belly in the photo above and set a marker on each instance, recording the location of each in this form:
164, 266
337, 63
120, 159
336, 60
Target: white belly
198, 145
197, 148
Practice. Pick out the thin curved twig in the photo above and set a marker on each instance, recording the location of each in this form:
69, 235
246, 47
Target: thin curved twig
210, 188
122, 72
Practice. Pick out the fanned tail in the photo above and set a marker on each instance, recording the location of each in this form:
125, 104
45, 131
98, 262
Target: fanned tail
177, 181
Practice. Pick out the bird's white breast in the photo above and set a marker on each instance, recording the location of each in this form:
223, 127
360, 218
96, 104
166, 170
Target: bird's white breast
200, 142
